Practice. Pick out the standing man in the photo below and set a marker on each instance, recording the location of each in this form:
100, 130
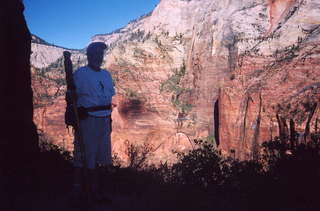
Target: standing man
94, 91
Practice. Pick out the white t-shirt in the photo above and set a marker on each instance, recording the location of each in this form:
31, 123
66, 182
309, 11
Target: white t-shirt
93, 88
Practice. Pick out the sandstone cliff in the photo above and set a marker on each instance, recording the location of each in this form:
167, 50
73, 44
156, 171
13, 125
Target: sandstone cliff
234, 72
45, 54
239, 71
49, 86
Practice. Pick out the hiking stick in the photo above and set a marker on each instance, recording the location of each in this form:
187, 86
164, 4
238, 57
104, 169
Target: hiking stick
72, 88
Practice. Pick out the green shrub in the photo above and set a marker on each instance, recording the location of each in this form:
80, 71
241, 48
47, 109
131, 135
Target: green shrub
287, 177
201, 166
172, 84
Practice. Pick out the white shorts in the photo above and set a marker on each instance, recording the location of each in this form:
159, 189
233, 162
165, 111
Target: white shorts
97, 143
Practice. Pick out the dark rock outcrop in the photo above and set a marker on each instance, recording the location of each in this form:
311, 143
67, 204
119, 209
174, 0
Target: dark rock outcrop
18, 139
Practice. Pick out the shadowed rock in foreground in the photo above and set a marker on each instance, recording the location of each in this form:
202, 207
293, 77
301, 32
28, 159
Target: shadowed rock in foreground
18, 138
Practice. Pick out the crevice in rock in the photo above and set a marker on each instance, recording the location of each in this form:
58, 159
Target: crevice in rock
243, 125
307, 128
292, 131
230, 42
283, 127
255, 144
233, 56
216, 122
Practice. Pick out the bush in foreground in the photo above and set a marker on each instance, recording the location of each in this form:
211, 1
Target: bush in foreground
287, 177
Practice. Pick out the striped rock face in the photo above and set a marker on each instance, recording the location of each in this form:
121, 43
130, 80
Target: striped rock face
237, 72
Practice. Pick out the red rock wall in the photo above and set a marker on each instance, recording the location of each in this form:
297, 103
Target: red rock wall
288, 93
251, 70
256, 87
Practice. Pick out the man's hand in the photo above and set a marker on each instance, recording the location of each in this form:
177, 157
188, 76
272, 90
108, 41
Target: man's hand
115, 101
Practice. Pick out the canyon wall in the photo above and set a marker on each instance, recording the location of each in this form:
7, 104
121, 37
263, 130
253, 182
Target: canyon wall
235, 73
239, 71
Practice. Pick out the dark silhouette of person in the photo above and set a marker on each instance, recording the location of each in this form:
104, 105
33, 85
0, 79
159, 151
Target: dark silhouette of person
94, 91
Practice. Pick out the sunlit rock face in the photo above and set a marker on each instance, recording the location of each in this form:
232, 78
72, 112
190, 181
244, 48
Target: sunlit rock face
45, 54
48, 83
242, 72
272, 87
